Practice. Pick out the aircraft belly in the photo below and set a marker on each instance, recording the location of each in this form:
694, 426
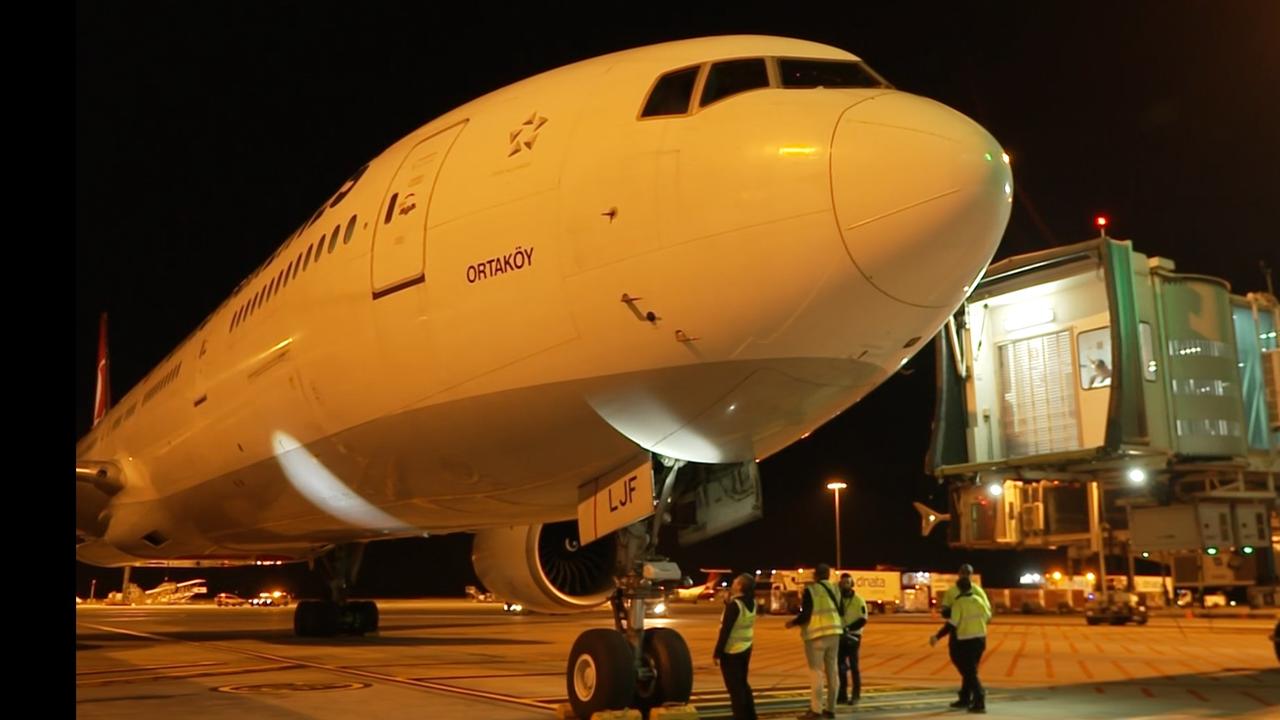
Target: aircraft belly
511, 457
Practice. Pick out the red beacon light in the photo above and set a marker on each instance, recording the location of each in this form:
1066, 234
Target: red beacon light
1101, 222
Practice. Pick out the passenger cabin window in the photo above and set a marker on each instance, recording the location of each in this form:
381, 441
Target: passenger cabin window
796, 73
391, 207
671, 94
732, 77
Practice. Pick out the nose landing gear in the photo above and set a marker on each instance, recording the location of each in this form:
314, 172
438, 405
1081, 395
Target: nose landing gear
633, 666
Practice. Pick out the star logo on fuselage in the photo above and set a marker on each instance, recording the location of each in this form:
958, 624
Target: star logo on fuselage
522, 138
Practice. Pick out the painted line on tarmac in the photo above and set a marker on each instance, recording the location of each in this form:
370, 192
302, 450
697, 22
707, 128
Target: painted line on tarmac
390, 679
189, 675
137, 668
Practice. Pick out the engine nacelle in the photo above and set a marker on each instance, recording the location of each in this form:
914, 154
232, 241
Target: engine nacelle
543, 567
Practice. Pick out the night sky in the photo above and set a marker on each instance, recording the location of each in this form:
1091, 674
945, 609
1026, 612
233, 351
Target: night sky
206, 132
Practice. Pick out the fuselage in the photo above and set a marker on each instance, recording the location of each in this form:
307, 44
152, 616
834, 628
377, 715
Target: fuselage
538, 286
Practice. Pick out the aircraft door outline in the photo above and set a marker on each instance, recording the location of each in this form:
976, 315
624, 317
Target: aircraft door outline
400, 230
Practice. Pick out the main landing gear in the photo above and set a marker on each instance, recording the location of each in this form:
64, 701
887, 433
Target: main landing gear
631, 665
338, 614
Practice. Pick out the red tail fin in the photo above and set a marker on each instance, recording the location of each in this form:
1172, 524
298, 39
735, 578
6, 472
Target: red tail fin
102, 396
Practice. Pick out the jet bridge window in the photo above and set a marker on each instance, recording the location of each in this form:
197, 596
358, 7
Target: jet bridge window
732, 77
671, 94
799, 73
1094, 360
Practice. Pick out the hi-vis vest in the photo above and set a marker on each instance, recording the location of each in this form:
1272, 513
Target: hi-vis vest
855, 608
953, 592
970, 615
825, 619
743, 630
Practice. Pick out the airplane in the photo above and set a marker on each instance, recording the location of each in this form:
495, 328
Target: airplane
166, 593
559, 317
705, 591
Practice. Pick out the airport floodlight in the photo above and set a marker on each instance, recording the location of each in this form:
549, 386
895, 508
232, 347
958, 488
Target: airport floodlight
836, 486
1137, 476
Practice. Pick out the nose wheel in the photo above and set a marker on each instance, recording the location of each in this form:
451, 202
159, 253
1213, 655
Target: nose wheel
603, 672
668, 669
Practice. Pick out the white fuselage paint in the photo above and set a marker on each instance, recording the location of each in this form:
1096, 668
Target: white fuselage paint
471, 355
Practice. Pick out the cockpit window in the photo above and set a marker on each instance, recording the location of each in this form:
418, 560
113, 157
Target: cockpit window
732, 77
796, 73
671, 94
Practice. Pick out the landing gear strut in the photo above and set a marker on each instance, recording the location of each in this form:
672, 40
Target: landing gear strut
338, 614
633, 666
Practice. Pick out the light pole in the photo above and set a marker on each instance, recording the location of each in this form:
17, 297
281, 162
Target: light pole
836, 486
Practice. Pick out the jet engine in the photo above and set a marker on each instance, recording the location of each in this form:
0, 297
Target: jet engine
544, 568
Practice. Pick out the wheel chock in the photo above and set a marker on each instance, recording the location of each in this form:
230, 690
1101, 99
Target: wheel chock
628, 714
674, 711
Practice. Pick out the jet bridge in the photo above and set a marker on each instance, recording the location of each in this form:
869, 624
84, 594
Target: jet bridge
1088, 387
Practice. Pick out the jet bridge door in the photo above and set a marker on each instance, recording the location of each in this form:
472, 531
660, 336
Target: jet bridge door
399, 238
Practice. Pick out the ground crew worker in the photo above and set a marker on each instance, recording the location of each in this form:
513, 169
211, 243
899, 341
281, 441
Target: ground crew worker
853, 612
968, 625
948, 599
822, 627
733, 647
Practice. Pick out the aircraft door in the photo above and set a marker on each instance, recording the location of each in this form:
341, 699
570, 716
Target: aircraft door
399, 238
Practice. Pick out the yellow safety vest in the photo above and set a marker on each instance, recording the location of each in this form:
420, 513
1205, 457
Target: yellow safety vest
825, 619
953, 592
855, 608
743, 629
970, 616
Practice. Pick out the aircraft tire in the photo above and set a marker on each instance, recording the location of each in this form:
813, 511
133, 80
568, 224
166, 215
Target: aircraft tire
667, 654
365, 616
601, 672
315, 618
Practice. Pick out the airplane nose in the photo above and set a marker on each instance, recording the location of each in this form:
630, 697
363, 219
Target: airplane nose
922, 194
